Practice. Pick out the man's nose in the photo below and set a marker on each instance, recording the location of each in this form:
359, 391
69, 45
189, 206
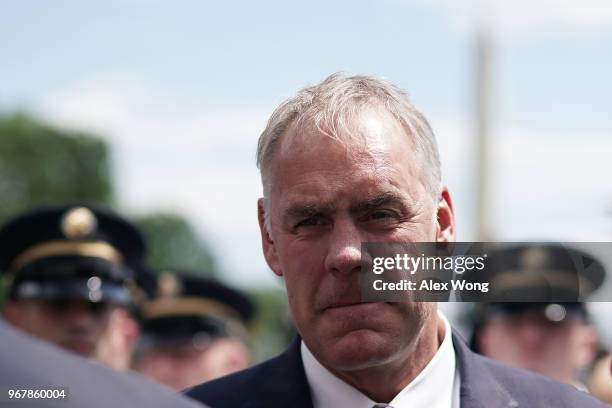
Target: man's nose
344, 247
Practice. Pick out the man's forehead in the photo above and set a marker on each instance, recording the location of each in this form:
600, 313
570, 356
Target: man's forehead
372, 130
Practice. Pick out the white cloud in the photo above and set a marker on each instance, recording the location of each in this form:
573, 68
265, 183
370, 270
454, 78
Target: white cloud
524, 18
543, 185
554, 185
132, 114
199, 161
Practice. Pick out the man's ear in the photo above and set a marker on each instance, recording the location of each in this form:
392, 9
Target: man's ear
268, 246
446, 218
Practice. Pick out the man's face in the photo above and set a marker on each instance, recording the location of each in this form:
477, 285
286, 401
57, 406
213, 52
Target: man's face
78, 326
180, 366
530, 341
116, 346
326, 199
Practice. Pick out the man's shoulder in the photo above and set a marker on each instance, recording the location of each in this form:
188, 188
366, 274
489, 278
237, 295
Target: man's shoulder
533, 390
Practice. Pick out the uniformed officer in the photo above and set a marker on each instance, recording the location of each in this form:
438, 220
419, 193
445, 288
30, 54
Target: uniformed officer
70, 273
550, 331
193, 331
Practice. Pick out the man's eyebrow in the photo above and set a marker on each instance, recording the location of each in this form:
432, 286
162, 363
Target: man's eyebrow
307, 210
379, 201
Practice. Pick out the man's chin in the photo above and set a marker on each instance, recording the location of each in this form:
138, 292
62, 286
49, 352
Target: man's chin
359, 349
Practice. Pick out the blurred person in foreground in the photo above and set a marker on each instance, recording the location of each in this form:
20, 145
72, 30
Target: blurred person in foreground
193, 331
348, 161
71, 279
554, 338
29, 364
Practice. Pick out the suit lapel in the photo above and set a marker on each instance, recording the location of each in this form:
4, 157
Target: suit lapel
479, 388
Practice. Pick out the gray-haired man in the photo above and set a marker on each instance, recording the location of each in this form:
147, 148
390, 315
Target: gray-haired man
348, 161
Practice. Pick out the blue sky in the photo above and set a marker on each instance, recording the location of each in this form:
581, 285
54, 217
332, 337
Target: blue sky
182, 90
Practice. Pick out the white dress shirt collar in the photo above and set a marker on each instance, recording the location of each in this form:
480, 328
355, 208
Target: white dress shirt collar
436, 386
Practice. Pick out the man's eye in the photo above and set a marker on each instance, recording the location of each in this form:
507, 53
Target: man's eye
309, 222
380, 215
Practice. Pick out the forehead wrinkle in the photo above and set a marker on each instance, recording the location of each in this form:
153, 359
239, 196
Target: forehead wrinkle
413, 200
376, 159
364, 129
367, 140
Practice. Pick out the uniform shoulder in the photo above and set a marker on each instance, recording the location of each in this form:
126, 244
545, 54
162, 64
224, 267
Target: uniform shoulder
534, 390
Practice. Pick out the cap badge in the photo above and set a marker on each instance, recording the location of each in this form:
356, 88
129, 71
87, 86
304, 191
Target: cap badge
169, 285
534, 258
78, 223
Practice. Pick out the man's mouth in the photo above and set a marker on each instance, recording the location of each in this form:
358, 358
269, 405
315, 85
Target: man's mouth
348, 305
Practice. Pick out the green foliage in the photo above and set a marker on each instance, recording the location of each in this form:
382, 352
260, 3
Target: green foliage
174, 245
272, 329
40, 164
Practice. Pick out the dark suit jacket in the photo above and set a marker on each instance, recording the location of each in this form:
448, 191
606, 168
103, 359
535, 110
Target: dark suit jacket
281, 382
28, 363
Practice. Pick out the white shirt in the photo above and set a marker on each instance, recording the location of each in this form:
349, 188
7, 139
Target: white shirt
436, 386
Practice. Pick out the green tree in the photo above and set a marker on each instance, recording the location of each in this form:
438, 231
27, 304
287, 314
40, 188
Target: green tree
272, 329
173, 244
40, 164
